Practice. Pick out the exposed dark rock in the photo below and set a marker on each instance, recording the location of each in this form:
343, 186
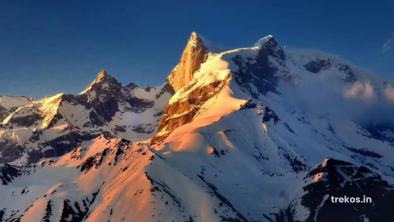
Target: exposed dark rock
76, 213
119, 152
270, 47
106, 109
317, 65
295, 163
350, 76
166, 89
259, 71
34, 156
248, 105
213, 151
48, 212
10, 151
269, 115
2, 214
94, 118
364, 152
380, 131
139, 105
119, 129
103, 95
144, 128
66, 143
8, 173
131, 85
3, 113
36, 134
94, 161
26, 121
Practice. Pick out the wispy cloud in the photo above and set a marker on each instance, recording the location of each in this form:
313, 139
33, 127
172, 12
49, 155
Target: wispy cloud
388, 44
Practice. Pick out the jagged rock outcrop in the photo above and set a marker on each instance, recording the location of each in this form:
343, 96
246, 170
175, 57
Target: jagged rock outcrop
8, 173
194, 54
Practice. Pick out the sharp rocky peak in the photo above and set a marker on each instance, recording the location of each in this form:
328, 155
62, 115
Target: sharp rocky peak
269, 46
194, 54
266, 40
103, 76
102, 81
195, 40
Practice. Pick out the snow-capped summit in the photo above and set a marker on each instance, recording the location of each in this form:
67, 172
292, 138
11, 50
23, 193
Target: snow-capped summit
103, 81
264, 40
270, 44
261, 133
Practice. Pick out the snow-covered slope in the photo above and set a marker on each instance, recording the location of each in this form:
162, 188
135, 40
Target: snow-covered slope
251, 134
10, 103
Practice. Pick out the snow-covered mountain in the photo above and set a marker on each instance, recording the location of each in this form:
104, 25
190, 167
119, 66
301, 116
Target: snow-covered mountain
261, 133
54, 125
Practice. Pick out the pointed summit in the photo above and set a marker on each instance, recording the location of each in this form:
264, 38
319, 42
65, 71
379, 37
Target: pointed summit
195, 40
193, 56
269, 46
103, 76
102, 81
269, 39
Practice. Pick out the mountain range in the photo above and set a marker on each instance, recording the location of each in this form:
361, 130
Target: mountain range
261, 133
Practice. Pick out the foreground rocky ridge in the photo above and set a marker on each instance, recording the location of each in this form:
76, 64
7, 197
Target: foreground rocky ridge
252, 134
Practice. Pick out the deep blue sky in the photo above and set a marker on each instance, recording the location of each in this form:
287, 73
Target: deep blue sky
50, 46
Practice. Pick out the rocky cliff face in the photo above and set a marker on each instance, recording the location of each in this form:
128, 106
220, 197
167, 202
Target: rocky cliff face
182, 112
194, 54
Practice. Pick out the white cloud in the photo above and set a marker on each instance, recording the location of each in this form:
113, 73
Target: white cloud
388, 44
360, 90
389, 93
